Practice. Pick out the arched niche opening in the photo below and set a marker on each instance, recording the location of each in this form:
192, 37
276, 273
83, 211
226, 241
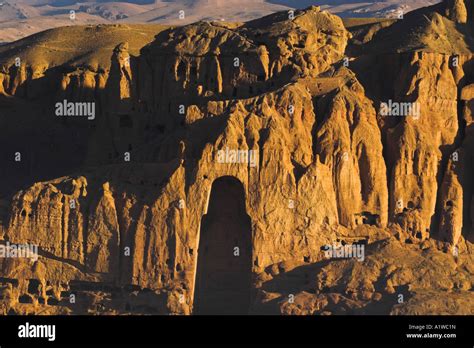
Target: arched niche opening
224, 265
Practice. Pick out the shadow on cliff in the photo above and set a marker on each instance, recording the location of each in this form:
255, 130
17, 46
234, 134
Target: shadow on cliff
55, 150
197, 136
103, 298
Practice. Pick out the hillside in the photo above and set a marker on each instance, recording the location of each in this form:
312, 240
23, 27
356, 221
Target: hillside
73, 46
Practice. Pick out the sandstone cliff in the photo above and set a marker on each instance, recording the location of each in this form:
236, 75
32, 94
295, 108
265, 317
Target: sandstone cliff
120, 205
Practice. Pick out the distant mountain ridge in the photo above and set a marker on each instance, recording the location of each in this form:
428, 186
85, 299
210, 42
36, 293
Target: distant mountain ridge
21, 18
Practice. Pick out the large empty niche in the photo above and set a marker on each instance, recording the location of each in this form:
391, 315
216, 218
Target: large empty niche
223, 278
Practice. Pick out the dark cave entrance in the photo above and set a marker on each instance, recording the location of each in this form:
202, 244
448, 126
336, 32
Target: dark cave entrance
224, 266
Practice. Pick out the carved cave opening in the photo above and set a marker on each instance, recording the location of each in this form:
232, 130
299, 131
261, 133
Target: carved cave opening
224, 266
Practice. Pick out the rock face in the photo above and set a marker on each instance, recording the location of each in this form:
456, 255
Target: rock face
223, 152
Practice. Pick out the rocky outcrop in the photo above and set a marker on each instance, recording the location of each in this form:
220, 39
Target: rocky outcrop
419, 143
359, 177
457, 190
398, 279
456, 10
310, 138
